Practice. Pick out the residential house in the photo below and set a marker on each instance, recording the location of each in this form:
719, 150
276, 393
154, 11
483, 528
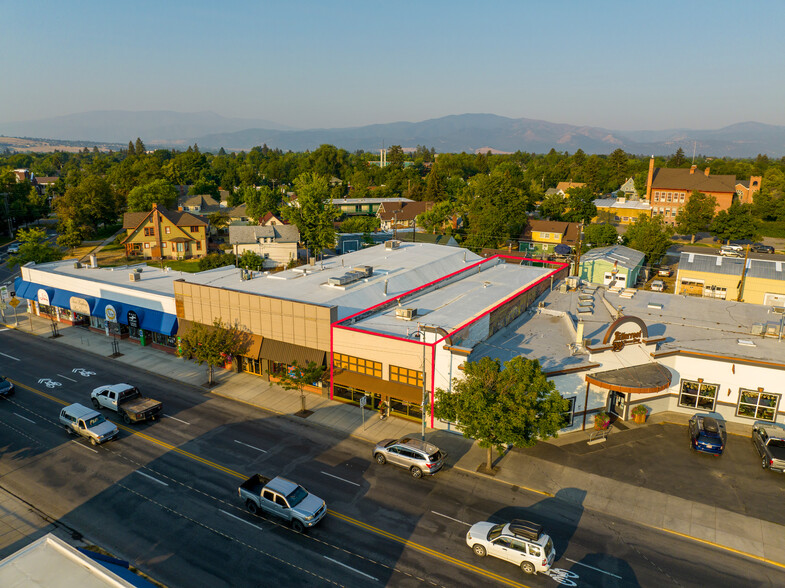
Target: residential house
615, 266
418, 237
204, 205
542, 236
715, 276
400, 214
271, 220
277, 244
563, 187
164, 234
365, 206
669, 189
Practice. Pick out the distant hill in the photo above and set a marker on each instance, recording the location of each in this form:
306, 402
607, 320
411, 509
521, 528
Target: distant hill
454, 133
155, 127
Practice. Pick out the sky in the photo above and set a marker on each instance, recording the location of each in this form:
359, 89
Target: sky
621, 65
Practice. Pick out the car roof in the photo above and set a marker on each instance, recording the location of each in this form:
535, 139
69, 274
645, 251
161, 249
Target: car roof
79, 411
418, 444
281, 485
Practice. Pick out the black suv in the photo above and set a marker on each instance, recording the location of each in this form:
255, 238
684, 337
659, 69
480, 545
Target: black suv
761, 248
707, 435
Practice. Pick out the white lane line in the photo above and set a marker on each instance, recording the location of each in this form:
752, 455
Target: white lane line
66, 377
149, 476
342, 480
228, 514
176, 419
592, 568
10, 357
452, 519
343, 565
24, 417
84, 446
5, 329
251, 446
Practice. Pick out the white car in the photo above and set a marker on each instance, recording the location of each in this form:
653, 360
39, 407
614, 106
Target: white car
732, 250
519, 542
12, 249
658, 286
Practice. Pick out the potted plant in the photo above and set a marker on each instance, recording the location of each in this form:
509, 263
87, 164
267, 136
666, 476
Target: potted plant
602, 420
639, 413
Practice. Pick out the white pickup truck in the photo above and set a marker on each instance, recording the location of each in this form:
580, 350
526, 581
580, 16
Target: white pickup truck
126, 401
284, 499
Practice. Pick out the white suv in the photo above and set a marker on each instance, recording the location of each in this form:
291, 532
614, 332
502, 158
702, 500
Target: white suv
732, 250
520, 542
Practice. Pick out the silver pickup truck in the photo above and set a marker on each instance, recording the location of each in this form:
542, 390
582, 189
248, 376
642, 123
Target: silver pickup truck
284, 499
770, 443
80, 420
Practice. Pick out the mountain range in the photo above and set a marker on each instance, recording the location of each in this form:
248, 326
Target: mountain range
454, 133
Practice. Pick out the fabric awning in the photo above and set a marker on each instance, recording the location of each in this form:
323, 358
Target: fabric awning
377, 385
288, 353
648, 377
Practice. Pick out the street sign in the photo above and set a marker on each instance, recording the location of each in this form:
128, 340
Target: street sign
363, 401
15, 302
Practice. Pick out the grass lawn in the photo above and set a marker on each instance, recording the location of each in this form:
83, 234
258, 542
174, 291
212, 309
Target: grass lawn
188, 265
774, 229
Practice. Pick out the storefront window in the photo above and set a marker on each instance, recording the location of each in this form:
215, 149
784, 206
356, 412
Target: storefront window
405, 376
166, 340
97, 322
134, 332
698, 395
756, 404
358, 365
47, 310
568, 414
251, 365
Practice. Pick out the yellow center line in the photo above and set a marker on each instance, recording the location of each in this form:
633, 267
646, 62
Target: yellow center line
343, 517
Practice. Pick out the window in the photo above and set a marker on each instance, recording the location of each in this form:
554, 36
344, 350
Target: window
545, 235
149, 231
698, 395
669, 196
656, 197
198, 245
147, 246
568, 414
681, 197
357, 364
163, 244
757, 404
405, 376
194, 229
167, 230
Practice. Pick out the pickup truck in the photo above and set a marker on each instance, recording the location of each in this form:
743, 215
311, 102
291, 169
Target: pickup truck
283, 499
126, 401
770, 443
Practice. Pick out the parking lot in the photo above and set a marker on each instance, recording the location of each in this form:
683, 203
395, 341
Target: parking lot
659, 457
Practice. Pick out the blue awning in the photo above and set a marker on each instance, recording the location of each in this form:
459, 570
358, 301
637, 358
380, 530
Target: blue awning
62, 299
29, 290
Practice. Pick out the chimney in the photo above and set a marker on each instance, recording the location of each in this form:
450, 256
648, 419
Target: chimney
650, 178
93, 261
706, 172
579, 333
692, 169
155, 206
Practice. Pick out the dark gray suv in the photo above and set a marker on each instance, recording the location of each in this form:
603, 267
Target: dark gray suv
419, 457
6, 387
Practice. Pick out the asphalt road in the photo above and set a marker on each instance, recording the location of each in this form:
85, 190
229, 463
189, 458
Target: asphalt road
164, 496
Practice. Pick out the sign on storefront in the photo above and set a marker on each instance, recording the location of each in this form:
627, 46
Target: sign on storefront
80, 305
133, 319
110, 313
43, 298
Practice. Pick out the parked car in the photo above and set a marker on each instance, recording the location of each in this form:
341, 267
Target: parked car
761, 248
732, 251
707, 435
80, 420
12, 249
519, 542
770, 443
284, 499
665, 272
658, 286
419, 457
6, 386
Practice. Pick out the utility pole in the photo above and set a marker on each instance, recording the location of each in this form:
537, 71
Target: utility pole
424, 389
578, 250
740, 297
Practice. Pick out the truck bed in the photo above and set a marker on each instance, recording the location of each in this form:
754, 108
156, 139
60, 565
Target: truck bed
254, 484
141, 405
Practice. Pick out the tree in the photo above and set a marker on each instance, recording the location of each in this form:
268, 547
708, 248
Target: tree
33, 247
619, 167
70, 235
678, 158
139, 148
259, 202
600, 235
213, 344
553, 207
313, 213
735, 223
142, 198
580, 205
516, 405
696, 214
434, 219
251, 260
360, 224
651, 236
219, 219
298, 377
204, 187
131, 148
395, 156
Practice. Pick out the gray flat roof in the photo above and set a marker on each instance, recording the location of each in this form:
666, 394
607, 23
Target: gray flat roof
773, 269
151, 279
623, 256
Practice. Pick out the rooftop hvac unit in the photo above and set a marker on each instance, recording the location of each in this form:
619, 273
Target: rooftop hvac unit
340, 280
365, 270
779, 309
392, 244
757, 329
772, 329
77, 265
133, 277
405, 313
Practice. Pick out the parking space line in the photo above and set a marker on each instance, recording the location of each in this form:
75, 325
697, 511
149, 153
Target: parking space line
24, 417
84, 446
10, 356
452, 519
343, 565
342, 480
592, 568
228, 514
251, 446
151, 477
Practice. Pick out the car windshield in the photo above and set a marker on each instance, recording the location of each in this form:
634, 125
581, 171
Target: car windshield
96, 420
495, 531
296, 496
709, 438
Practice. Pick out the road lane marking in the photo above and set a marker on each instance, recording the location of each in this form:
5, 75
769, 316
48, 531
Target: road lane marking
343, 565
251, 446
10, 356
228, 514
342, 480
24, 417
66, 377
592, 568
176, 419
5, 329
452, 519
151, 477
84, 446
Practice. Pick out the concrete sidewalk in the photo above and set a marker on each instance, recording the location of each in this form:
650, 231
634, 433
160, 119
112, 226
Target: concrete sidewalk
759, 539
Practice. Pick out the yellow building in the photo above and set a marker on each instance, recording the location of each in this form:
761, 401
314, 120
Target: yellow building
164, 234
620, 210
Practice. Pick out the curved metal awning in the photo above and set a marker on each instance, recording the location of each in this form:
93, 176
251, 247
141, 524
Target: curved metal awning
647, 377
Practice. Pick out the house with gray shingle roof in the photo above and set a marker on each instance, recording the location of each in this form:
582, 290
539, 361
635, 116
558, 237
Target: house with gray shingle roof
277, 244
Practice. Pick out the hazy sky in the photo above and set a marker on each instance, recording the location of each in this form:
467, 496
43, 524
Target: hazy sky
616, 64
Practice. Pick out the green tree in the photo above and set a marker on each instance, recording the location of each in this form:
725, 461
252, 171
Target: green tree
70, 235
735, 223
516, 405
360, 224
437, 217
139, 147
213, 344
600, 235
142, 198
204, 187
554, 207
619, 167
131, 150
696, 214
298, 377
214, 260
91, 203
251, 260
259, 202
313, 213
651, 236
219, 219
33, 247
678, 158
580, 205
395, 156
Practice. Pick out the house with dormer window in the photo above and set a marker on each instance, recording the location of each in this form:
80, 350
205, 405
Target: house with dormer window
164, 234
